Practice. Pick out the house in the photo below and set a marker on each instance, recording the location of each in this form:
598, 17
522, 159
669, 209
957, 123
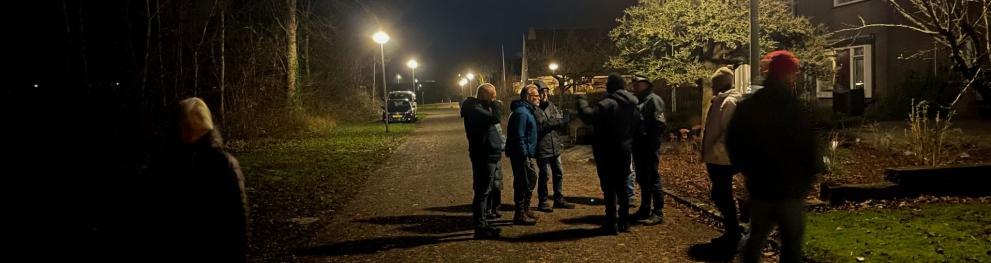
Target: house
877, 60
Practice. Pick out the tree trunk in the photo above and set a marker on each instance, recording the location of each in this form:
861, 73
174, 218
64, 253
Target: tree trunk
292, 63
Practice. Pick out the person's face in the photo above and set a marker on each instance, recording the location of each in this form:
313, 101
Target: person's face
544, 94
641, 87
533, 97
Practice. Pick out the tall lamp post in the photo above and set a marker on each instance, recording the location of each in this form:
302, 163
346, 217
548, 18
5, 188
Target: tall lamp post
381, 38
412, 66
462, 83
560, 81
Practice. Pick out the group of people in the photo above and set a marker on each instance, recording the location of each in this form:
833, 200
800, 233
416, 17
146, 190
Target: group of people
766, 136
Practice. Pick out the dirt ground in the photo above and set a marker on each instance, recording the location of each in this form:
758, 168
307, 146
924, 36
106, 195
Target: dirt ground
416, 208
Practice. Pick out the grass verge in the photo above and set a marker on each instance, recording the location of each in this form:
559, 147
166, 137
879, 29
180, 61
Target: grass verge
928, 233
296, 185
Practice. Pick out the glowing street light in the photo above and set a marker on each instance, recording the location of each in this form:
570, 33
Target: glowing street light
552, 66
399, 77
381, 38
412, 66
462, 83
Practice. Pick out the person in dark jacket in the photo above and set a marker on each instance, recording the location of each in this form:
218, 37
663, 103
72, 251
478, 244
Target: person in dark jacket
200, 206
521, 147
647, 152
481, 119
772, 142
614, 121
550, 119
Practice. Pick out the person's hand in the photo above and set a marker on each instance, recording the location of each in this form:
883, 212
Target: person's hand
496, 104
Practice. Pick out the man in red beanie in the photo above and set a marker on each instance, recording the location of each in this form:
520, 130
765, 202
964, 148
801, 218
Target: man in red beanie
772, 142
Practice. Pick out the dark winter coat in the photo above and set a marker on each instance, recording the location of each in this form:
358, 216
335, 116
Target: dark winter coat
550, 119
772, 141
199, 206
481, 120
522, 138
651, 108
614, 120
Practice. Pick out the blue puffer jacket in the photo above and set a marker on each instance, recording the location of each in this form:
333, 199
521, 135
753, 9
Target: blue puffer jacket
522, 137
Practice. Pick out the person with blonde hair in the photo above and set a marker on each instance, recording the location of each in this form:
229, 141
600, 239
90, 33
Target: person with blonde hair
201, 205
717, 160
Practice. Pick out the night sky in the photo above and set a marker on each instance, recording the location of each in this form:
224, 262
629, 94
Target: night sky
448, 36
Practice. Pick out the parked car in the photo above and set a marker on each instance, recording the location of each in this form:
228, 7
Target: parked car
404, 94
399, 110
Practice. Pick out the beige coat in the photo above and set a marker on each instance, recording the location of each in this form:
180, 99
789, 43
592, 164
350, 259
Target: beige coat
714, 133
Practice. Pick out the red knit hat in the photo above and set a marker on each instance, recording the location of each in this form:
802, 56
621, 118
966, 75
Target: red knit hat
779, 62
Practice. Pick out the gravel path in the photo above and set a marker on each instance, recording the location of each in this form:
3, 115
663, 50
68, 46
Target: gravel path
417, 208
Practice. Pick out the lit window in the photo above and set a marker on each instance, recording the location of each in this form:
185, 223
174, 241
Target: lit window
852, 67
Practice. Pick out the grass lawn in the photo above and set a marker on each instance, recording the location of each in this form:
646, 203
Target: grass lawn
929, 233
295, 185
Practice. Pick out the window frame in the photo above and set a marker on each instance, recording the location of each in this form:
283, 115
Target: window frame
868, 57
838, 3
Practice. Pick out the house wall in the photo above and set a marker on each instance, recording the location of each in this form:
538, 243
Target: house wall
890, 45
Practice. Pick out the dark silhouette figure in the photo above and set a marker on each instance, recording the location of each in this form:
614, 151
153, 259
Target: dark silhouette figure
647, 152
485, 143
614, 122
772, 141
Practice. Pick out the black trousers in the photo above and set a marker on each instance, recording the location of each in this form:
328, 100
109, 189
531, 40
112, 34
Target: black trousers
483, 172
524, 180
646, 161
722, 195
614, 171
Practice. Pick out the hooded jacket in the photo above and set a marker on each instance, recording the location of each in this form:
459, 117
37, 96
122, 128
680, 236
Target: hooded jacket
550, 119
522, 138
651, 109
481, 120
716, 121
615, 120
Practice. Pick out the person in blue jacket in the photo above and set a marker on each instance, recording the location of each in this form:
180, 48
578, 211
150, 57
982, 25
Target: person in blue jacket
521, 147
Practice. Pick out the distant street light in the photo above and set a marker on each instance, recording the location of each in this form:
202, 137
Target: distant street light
381, 38
462, 83
471, 77
399, 77
552, 66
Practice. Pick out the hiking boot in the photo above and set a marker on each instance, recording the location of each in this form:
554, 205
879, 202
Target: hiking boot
521, 219
640, 215
727, 241
564, 205
529, 213
487, 233
543, 207
653, 219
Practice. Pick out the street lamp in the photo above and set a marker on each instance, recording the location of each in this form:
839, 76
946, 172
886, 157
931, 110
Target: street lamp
462, 83
412, 66
381, 38
399, 77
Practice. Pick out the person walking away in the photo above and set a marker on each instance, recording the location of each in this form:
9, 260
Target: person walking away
550, 119
481, 119
647, 151
717, 161
200, 209
771, 140
615, 122
521, 147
